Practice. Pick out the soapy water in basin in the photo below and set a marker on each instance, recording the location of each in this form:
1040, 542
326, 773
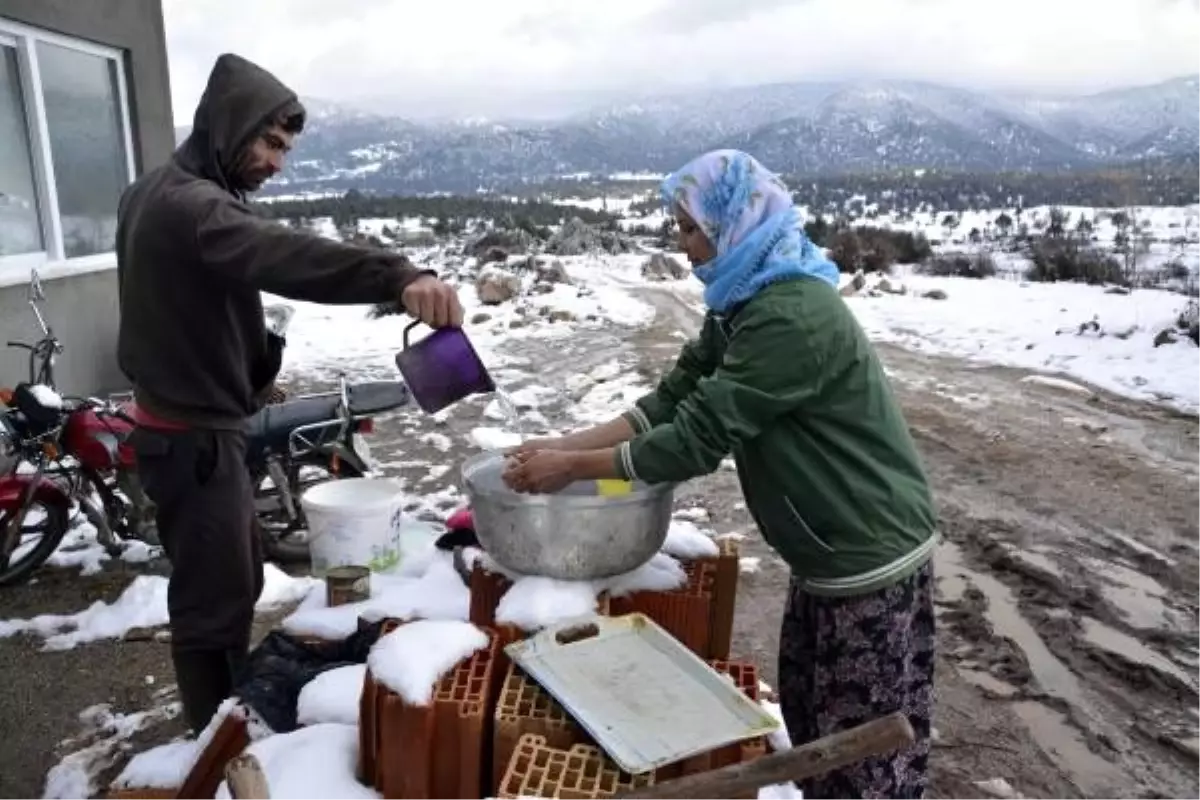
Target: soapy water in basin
516, 423
487, 478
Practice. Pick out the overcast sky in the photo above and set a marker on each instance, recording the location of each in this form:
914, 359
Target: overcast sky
497, 58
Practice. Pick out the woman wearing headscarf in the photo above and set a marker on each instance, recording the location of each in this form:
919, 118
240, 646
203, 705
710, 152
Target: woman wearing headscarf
783, 378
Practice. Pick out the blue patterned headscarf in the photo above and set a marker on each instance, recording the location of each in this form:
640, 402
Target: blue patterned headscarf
748, 215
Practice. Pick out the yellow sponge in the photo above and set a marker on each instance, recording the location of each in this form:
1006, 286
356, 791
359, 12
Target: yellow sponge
609, 487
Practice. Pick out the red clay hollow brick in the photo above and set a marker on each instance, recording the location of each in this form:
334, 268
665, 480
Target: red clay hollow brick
582, 771
533, 770
436, 751
486, 590
230, 739
724, 599
685, 613
524, 707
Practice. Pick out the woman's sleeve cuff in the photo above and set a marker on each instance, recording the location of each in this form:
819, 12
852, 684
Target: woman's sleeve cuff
623, 458
638, 420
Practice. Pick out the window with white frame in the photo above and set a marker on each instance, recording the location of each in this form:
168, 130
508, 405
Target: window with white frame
65, 146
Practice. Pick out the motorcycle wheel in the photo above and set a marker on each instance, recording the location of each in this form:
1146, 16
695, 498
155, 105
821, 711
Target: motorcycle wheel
27, 557
286, 546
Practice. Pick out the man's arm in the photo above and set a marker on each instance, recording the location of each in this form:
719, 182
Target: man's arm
239, 246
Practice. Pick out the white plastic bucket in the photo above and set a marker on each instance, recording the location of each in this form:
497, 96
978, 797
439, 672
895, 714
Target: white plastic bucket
353, 522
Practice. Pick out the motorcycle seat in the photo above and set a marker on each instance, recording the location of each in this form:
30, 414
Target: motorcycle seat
376, 397
279, 420
275, 421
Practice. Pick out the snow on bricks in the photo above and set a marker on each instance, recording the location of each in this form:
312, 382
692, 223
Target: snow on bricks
428, 740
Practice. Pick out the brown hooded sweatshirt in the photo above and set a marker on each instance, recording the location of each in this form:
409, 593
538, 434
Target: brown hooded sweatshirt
192, 257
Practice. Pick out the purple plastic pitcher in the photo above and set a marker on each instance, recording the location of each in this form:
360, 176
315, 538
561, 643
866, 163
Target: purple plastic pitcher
442, 369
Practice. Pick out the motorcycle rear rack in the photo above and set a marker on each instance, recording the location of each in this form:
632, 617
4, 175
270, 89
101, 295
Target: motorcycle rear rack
301, 441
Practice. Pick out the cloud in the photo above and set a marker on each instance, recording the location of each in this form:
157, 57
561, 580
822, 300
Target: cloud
688, 16
472, 58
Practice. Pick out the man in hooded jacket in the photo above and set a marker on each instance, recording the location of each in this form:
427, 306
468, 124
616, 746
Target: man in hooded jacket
192, 259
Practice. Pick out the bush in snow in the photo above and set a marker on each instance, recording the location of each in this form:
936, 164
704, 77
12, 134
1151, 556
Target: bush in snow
577, 238
959, 265
1176, 270
869, 249
661, 267
1066, 260
1189, 321
508, 241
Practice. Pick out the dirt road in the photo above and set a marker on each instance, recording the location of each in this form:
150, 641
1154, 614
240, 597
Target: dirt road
1067, 579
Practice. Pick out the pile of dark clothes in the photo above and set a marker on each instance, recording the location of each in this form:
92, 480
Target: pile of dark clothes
282, 664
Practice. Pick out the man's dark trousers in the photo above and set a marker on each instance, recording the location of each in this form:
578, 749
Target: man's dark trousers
201, 487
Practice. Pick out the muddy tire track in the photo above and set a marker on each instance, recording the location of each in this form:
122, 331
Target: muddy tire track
1083, 510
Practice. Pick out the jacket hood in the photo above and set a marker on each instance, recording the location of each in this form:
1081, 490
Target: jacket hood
239, 97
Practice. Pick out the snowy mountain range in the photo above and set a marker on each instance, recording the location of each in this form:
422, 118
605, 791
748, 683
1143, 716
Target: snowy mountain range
795, 128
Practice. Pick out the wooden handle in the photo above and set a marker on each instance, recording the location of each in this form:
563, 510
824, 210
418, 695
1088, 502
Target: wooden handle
246, 778
872, 739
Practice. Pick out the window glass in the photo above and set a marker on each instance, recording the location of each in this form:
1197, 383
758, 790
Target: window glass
87, 145
20, 231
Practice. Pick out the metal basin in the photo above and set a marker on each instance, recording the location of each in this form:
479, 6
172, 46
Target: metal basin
573, 535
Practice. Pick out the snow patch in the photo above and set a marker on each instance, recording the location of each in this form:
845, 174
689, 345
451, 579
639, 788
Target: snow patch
1062, 384
167, 766
535, 602
426, 586
105, 733
413, 658
332, 696
143, 604
318, 761
494, 439
687, 541
662, 573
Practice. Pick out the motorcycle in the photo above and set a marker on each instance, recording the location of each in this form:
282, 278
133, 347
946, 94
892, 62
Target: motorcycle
79, 452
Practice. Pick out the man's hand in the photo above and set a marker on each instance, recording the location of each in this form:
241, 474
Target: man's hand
433, 301
544, 472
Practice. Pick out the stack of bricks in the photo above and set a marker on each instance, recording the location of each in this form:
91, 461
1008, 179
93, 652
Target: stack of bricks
538, 769
700, 613
523, 708
440, 750
538, 750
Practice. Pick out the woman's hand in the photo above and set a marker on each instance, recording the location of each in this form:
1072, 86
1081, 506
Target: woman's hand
525, 449
541, 472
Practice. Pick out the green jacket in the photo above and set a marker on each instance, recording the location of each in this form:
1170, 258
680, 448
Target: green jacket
789, 384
